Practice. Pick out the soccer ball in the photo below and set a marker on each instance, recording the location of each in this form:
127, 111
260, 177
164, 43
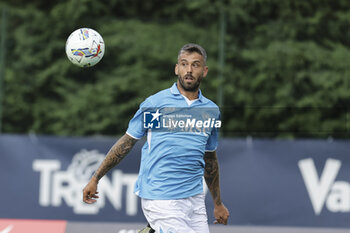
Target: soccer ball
85, 47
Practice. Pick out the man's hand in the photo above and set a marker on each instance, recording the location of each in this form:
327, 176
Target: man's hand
221, 214
90, 191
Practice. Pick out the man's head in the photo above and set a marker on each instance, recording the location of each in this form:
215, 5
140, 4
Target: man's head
191, 67
190, 48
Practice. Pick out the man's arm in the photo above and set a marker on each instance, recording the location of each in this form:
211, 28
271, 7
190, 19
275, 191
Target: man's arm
211, 175
117, 152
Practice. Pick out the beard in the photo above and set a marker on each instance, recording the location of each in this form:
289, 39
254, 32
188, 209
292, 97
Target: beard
190, 86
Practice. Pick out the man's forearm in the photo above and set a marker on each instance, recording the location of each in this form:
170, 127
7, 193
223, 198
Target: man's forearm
117, 152
211, 175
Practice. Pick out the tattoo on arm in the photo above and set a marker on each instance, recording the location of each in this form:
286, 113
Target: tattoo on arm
118, 151
211, 175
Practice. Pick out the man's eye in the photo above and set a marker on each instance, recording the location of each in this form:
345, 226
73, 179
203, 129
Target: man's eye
196, 65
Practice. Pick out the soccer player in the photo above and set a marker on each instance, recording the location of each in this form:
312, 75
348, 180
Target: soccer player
170, 180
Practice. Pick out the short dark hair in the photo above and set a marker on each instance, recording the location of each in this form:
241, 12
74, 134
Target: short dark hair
193, 48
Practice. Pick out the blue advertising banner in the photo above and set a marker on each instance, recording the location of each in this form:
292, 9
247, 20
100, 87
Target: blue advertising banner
263, 182
44, 177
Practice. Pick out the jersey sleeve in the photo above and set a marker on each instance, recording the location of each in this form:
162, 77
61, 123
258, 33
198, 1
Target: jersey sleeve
212, 142
136, 129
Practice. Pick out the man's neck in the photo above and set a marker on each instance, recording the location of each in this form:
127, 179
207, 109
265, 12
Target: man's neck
191, 95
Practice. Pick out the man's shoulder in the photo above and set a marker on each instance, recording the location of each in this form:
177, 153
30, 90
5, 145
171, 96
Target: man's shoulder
209, 103
159, 95
163, 92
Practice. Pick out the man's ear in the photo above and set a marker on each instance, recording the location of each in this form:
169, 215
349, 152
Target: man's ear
176, 69
205, 72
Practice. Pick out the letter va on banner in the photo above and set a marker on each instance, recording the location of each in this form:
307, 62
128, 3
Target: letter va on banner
324, 189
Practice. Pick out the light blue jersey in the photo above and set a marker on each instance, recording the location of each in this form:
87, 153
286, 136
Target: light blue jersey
172, 163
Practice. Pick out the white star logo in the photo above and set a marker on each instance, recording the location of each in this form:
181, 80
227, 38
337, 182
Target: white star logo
7, 229
155, 116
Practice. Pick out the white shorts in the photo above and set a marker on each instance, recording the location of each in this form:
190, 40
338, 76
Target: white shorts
187, 215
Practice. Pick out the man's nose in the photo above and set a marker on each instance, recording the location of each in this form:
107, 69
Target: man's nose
189, 69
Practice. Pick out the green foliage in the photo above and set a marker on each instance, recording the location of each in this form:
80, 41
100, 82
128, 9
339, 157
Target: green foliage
286, 73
